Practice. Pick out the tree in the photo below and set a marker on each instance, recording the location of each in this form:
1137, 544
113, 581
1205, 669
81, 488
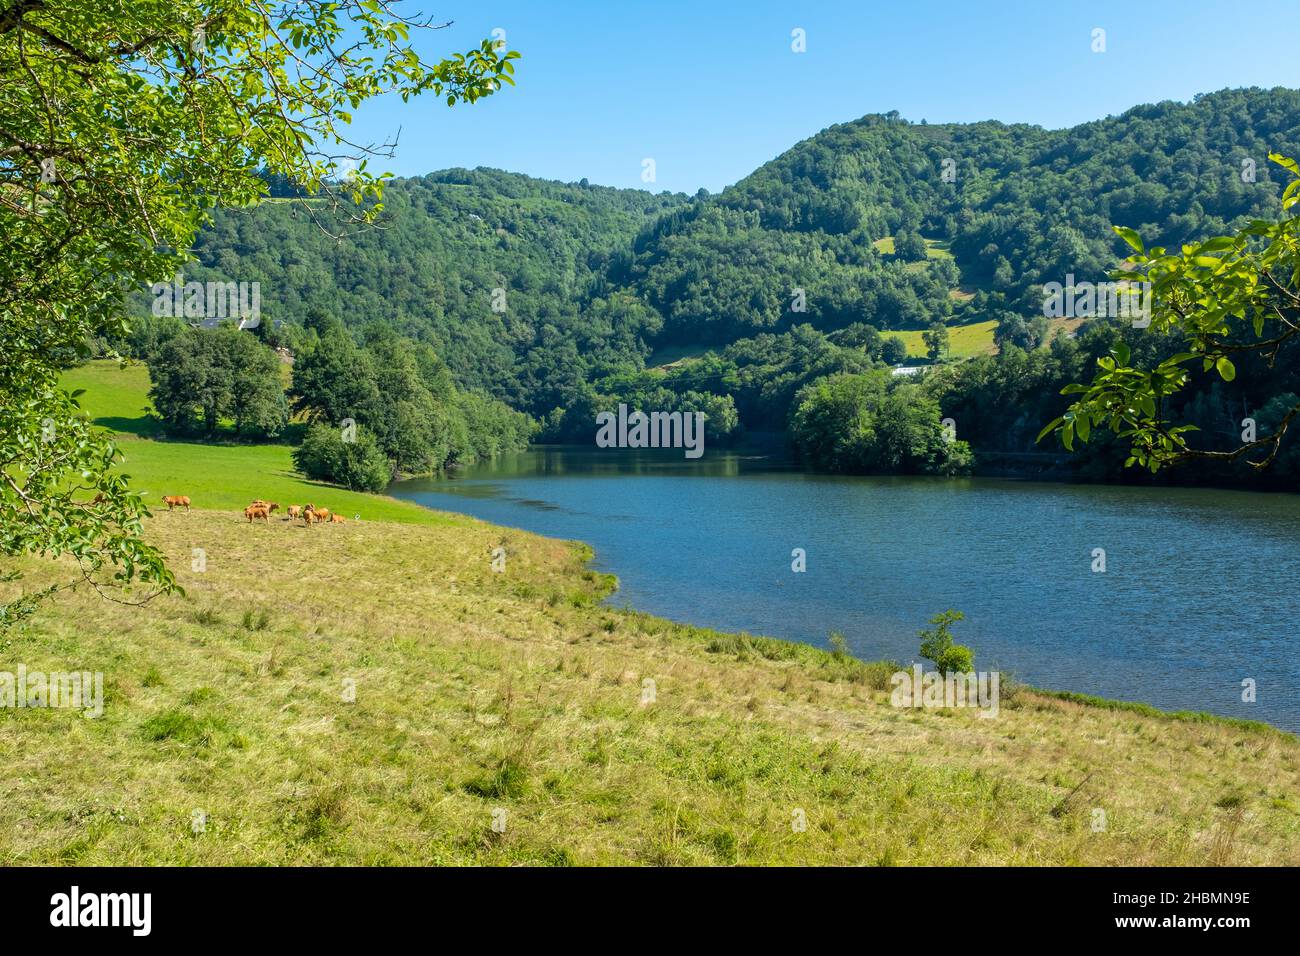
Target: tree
936, 341
721, 422
121, 125
404, 395
910, 247
354, 461
861, 336
1230, 299
938, 648
334, 379
1012, 330
872, 424
1003, 277
893, 350
205, 375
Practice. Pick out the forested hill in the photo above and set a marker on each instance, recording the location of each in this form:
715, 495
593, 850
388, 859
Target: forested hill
446, 242
791, 275
1024, 205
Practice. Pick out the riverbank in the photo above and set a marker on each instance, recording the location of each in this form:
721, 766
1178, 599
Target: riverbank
376, 693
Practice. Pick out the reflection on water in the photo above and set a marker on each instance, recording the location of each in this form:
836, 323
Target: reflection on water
1198, 592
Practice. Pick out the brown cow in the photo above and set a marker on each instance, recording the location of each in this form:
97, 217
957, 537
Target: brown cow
337, 519
322, 514
270, 506
176, 501
257, 511
295, 511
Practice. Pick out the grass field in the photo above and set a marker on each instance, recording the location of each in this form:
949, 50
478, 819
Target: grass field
375, 693
224, 477
672, 355
964, 340
974, 338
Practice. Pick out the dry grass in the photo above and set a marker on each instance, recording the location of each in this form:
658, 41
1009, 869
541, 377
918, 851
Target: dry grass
478, 691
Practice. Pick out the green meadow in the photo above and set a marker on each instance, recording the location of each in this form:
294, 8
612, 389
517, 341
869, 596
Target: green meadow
213, 476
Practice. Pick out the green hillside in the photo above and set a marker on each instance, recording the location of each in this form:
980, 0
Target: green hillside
596, 279
563, 299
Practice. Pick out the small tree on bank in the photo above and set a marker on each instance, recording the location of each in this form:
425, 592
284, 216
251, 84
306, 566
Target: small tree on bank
938, 648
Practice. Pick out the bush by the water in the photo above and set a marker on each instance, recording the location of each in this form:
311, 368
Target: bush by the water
357, 464
937, 646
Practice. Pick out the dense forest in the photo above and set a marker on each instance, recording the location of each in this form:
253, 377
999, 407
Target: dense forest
561, 299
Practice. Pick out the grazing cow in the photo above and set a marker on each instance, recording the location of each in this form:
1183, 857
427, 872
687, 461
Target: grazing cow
295, 511
337, 519
257, 511
176, 501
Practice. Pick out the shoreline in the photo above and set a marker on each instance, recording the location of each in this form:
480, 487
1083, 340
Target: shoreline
1080, 697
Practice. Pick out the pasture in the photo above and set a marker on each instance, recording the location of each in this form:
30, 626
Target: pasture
221, 477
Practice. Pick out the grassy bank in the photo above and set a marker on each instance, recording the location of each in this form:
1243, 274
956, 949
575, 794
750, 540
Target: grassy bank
596, 735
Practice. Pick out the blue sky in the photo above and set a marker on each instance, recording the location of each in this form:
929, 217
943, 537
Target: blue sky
712, 89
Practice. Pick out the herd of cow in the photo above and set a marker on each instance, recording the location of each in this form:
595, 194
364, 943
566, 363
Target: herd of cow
309, 514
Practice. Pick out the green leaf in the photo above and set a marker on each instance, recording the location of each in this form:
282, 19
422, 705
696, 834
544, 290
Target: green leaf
1048, 429
1218, 244
1227, 371
1285, 162
1130, 236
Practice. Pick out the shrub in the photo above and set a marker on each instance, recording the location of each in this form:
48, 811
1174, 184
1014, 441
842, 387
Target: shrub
359, 464
937, 645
